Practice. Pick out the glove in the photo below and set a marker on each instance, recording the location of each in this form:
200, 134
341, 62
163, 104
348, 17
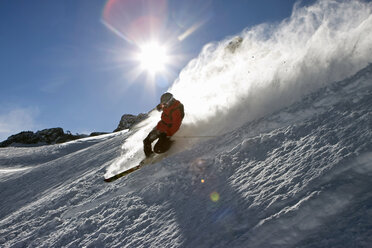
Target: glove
162, 135
159, 107
154, 134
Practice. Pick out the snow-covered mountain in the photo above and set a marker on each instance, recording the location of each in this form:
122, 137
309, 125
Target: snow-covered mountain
289, 163
300, 177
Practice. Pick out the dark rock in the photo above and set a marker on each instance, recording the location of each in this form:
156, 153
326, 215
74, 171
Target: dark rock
57, 135
50, 135
26, 137
127, 121
46, 136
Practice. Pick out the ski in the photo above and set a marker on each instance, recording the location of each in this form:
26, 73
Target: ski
124, 173
147, 161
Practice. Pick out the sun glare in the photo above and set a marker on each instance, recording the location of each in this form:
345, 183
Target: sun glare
153, 57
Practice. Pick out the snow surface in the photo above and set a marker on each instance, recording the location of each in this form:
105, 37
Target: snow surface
300, 177
290, 164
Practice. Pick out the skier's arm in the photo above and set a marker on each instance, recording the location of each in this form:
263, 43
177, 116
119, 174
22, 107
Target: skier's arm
177, 120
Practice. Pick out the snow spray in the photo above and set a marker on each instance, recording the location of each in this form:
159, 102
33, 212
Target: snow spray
263, 69
272, 65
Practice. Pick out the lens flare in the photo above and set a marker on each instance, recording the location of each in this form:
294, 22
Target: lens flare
215, 197
135, 20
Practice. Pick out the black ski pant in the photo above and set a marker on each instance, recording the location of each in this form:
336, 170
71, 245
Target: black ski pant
161, 146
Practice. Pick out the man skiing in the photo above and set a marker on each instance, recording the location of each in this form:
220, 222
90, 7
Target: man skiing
171, 119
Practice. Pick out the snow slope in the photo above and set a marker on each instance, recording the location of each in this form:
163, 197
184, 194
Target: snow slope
290, 164
300, 177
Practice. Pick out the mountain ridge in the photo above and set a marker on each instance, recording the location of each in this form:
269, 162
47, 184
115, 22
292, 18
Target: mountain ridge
58, 135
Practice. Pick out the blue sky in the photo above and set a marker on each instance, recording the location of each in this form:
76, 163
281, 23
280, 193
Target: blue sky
61, 66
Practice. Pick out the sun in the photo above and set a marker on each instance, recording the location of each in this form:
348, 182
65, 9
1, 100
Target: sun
153, 57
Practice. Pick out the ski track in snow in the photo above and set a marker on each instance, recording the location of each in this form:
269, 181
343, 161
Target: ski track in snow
300, 177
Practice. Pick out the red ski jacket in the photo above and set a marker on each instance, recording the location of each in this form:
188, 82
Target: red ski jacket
171, 118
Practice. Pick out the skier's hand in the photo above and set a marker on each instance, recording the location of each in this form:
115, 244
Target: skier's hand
162, 135
154, 134
159, 107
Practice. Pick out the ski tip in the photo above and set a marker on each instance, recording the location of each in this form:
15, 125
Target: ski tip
110, 179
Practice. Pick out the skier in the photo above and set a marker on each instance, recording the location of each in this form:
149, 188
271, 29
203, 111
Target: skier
171, 119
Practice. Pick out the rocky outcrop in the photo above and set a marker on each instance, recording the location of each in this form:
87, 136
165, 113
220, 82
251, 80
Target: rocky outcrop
57, 135
43, 137
127, 121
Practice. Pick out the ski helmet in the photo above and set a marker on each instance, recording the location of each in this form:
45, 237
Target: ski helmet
166, 98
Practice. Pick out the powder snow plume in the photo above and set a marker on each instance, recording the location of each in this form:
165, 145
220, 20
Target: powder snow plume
132, 149
262, 69
274, 65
